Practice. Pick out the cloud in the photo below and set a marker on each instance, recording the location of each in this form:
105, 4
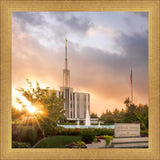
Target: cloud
75, 24
57, 26
142, 14
78, 24
104, 74
59, 16
28, 18
109, 73
99, 30
29, 57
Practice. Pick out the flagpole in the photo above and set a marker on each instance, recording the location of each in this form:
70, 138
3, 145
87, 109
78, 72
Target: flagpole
132, 93
131, 86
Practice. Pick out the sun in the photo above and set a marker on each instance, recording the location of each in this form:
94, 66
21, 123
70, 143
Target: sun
31, 109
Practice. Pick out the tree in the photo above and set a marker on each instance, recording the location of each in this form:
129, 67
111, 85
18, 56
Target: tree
122, 113
94, 115
108, 112
63, 119
116, 115
16, 114
142, 115
107, 117
49, 107
127, 102
130, 114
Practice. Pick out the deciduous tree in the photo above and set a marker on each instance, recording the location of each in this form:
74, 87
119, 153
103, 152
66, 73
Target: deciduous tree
50, 108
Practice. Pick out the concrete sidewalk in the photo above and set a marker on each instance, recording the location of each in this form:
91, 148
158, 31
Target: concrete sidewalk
134, 142
101, 144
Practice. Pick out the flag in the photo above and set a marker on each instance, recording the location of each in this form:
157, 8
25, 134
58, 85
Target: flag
131, 78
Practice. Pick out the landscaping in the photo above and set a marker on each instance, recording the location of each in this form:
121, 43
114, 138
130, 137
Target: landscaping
38, 127
58, 137
57, 141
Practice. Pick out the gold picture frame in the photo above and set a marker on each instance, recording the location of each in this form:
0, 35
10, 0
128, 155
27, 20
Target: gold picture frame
150, 6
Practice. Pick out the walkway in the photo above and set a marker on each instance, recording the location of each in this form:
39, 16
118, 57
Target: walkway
101, 144
134, 142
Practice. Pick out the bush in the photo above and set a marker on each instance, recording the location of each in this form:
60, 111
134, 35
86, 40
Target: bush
110, 132
39, 134
87, 135
99, 131
68, 131
50, 131
27, 134
108, 139
95, 140
16, 144
102, 131
78, 144
144, 133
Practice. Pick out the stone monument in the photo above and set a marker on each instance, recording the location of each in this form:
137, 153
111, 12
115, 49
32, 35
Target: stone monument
127, 135
127, 130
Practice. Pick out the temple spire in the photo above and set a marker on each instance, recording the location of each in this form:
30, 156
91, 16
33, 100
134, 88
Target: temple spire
66, 71
66, 60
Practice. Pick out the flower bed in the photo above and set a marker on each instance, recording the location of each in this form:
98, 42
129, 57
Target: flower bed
16, 144
78, 144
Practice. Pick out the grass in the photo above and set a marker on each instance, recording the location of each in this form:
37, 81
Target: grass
57, 141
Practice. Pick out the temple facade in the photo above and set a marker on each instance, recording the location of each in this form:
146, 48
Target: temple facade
77, 104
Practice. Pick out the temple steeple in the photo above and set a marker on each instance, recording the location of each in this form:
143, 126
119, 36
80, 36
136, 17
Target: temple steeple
66, 71
66, 61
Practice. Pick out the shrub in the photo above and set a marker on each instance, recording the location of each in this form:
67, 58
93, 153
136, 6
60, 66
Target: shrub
29, 135
102, 131
74, 132
144, 133
110, 132
78, 144
95, 140
77, 131
67, 131
101, 137
108, 139
39, 134
16, 144
81, 144
87, 135
50, 131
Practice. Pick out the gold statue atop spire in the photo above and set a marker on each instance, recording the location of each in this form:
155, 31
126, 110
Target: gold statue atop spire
65, 41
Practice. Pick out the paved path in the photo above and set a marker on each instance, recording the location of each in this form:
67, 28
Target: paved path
134, 142
101, 144
125, 140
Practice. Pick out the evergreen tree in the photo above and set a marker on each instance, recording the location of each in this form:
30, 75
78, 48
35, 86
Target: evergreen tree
94, 115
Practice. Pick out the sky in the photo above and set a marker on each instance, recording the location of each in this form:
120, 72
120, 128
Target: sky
102, 48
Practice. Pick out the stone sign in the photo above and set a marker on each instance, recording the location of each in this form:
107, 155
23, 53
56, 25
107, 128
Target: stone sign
127, 130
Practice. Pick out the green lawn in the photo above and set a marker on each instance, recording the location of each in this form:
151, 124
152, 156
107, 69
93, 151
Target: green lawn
57, 141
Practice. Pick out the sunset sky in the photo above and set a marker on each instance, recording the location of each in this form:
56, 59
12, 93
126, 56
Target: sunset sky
102, 47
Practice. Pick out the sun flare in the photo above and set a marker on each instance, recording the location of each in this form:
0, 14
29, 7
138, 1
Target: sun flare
31, 109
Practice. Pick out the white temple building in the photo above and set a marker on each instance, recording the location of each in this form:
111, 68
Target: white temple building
77, 104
